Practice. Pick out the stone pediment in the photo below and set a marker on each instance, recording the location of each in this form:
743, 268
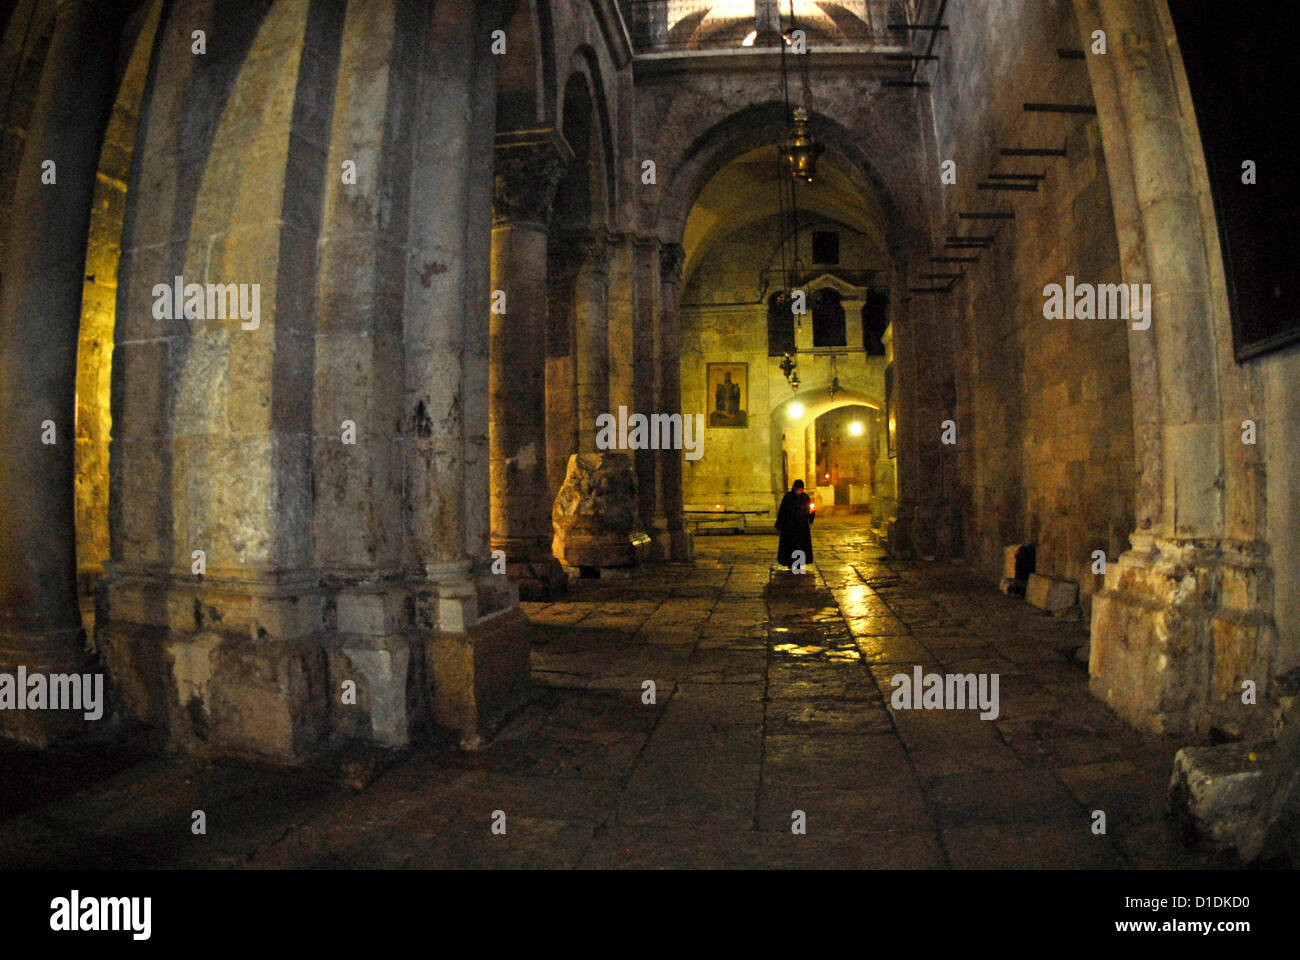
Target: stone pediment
839, 282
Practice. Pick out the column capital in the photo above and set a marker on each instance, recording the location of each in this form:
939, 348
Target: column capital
672, 257
529, 165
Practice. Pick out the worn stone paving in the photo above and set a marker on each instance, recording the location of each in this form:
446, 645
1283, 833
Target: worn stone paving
772, 695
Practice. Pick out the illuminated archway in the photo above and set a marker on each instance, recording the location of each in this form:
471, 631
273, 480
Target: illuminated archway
98, 315
793, 419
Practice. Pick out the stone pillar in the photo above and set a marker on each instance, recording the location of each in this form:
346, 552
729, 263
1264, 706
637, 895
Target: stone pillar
884, 498
621, 317
561, 365
529, 167
928, 524
478, 639
1185, 614
591, 344
680, 544
908, 537
212, 612
646, 390
40, 312
357, 454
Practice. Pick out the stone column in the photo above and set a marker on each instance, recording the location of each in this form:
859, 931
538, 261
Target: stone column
591, 345
595, 513
925, 395
561, 378
1185, 615
680, 543
211, 612
529, 167
621, 314
907, 536
40, 312
478, 639
357, 457
646, 389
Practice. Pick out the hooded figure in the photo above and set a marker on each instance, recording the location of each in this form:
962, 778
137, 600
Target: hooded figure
794, 519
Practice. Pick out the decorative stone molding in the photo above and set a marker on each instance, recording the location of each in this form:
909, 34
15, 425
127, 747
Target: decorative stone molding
529, 167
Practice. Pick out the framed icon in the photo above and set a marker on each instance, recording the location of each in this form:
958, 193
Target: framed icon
728, 394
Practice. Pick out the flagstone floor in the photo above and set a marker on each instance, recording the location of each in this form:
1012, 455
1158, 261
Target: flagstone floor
771, 709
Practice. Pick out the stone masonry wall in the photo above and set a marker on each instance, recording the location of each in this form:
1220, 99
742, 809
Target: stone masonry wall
723, 323
1045, 422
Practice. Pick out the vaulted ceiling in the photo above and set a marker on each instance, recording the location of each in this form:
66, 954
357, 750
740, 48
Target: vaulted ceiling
745, 192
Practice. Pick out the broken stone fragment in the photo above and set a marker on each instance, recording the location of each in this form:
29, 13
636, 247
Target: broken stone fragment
1051, 595
1274, 827
595, 513
1212, 793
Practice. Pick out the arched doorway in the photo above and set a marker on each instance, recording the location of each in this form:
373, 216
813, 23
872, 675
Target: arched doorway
838, 445
746, 353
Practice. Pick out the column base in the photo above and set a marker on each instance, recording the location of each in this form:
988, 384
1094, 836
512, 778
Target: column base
221, 666
296, 671
592, 548
903, 535
539, 580
923, 535
481, 675
681, 545
1178, 628
661, 544
531, 567
52, 656
670, 542
215, 693
478, 654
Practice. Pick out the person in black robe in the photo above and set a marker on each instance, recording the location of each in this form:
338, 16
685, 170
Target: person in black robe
794, 519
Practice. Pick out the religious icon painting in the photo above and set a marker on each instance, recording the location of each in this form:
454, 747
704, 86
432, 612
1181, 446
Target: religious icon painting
728, 394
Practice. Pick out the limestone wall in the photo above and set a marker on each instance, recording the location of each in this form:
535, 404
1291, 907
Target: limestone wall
724, 321
1043, 407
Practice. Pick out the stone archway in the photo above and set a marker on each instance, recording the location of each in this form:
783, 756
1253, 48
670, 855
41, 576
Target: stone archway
731, 239
921, 352
799, 412
1186, 613
70, 170
98, 314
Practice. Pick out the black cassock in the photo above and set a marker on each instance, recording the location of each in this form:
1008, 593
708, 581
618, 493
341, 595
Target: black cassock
794, 521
